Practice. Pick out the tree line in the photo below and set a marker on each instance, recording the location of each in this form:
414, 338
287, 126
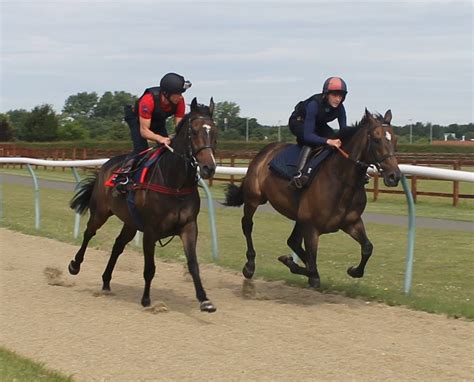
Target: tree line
88, 116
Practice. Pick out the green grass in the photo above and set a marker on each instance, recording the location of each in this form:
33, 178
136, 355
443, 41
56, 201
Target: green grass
14, 367
441, 282
426, 206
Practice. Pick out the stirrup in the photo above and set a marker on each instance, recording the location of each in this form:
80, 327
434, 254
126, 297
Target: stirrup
296, 180
125, 181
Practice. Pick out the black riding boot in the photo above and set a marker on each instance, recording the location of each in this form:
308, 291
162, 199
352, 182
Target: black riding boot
300, 179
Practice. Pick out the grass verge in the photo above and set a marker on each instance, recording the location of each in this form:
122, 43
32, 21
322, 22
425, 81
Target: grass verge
14, 367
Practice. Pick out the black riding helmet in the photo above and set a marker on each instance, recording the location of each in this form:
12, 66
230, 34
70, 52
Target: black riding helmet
173, 83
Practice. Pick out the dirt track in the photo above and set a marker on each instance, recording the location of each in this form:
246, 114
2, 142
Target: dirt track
278, 333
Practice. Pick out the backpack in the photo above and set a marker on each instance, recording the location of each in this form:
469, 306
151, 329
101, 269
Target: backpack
297, 117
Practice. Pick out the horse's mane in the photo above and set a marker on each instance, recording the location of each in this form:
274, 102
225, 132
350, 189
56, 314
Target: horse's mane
348, 133
200, 109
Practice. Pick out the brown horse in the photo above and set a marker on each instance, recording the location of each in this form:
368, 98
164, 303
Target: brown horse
334, 200
167, 201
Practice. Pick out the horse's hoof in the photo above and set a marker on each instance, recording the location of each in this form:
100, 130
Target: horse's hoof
106, 288
285, 260
314, 282
248, 274
73, 270
207, 306
355, 272
146, 302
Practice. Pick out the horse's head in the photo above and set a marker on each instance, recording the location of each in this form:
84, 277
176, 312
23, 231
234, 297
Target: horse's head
198, 134
380, 147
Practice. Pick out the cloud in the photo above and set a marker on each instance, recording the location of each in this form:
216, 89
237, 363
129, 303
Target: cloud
264, 55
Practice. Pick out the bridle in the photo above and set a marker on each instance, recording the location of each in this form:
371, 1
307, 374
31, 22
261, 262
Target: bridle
377, 162
191, 153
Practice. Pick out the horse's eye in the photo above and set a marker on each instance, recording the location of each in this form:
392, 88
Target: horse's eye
377, 141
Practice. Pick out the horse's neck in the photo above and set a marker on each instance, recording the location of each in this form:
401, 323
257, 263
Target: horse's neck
347, 167
176, 170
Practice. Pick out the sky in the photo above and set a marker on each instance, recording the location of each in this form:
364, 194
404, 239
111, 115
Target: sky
413, 57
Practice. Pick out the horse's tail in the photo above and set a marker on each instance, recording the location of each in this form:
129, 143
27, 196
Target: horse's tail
234, 196
80, 201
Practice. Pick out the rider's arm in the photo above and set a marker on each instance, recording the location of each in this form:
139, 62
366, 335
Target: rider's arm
145, 111
180, 110
342, 119
146, 133
309, 135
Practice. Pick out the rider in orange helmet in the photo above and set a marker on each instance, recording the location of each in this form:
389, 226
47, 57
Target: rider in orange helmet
308, 122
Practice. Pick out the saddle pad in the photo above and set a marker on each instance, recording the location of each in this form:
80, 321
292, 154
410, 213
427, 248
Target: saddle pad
284, 164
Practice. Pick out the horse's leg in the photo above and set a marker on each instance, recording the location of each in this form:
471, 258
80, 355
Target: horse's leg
126, 235
357, 232
149, 267
294, 242
247, 225
311, 239
189, 238
96, 220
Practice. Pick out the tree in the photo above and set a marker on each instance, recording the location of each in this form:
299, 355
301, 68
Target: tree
110, 105
81, 104
17, 119
72, 131
41, 125
229, 110
6, 128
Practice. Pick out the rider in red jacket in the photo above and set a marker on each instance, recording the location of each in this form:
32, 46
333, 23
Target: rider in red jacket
147, 119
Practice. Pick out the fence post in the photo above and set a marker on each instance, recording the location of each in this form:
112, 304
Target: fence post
376, 187
37, 197
456, 166
77, 218
212, 219
411, 237
232, 164
413, 185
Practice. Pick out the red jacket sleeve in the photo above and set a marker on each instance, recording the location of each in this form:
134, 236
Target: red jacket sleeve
146, 106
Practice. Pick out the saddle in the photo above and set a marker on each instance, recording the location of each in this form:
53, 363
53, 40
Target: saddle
133, 170
285, 163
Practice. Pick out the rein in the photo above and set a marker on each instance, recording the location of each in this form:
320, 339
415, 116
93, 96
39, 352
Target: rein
362, 164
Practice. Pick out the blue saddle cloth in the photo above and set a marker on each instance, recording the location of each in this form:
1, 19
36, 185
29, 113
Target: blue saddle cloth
285, 163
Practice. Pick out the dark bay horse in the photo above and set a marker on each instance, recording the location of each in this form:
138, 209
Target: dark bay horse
167, 202
334, 200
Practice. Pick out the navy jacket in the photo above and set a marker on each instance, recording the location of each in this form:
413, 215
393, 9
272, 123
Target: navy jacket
310, 120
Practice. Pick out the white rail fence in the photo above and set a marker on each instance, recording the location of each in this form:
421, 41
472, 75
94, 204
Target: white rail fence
431, 172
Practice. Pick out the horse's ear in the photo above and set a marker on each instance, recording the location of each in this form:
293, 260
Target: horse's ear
194, 104
211, 107
368, 115
388, 117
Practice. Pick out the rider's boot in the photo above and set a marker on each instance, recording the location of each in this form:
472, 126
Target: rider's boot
300, 179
